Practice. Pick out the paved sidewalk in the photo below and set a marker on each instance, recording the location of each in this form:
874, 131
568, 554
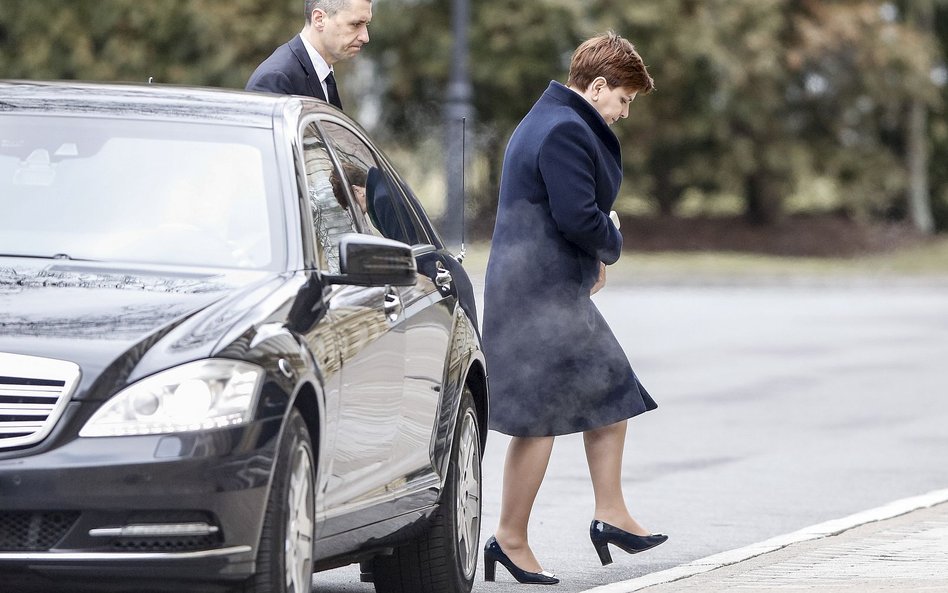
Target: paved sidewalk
904, 553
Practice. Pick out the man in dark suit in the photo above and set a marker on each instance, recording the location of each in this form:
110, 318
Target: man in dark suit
335, 30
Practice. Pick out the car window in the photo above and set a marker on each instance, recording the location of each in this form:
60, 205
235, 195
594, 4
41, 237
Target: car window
330, 209
417, 213
381, 202
157, 192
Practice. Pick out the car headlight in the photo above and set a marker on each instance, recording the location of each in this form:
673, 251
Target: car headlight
200, 395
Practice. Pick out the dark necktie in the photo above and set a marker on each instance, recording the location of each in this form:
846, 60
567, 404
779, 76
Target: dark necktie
332, 92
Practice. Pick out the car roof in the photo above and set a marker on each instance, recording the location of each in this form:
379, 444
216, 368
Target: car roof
145, 101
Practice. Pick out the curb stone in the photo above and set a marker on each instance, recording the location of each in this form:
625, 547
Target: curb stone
814, 532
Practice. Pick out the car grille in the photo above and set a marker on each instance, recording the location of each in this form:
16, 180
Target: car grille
26, 531
33, 393
168, 544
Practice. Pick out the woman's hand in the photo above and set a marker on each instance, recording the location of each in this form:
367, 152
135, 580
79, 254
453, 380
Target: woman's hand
601, 281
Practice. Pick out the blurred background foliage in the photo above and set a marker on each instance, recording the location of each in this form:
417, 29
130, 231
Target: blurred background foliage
765, 110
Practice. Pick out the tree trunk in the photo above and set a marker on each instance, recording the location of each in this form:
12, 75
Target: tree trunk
762, 189
920, 205
919, 15
665, 191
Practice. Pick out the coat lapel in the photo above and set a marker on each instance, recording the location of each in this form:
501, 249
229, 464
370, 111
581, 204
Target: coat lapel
312, 81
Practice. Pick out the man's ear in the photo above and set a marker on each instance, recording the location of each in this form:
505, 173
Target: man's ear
318, 18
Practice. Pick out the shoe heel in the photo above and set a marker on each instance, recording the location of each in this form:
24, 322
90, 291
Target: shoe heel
490, 566
604, 555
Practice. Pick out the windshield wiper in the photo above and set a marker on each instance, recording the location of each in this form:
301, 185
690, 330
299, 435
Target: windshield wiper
65, 256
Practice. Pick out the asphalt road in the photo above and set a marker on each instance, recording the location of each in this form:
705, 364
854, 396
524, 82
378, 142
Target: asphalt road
779, 407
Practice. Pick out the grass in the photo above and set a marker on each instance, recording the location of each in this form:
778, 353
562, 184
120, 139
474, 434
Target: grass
926, 262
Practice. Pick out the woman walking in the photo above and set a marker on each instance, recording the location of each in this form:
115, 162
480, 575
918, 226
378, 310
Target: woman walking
555, 366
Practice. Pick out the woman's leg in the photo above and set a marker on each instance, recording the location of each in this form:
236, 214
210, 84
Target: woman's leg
604, 447
527, 460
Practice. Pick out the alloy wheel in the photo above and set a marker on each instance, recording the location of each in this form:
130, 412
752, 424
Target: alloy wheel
298, 542
468, 502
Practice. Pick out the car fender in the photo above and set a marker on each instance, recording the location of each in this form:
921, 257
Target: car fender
466, 364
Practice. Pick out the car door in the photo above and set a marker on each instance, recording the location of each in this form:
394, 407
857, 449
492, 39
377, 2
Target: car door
371, 349
427, 305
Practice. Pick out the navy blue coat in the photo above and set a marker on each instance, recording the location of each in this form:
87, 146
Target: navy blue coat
288, 71
555, 366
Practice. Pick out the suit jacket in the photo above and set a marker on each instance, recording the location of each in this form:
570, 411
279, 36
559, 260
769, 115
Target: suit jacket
287, 71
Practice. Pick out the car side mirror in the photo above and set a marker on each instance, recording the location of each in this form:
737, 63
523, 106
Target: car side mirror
365, 260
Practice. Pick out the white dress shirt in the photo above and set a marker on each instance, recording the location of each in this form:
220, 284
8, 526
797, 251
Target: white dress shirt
323, 69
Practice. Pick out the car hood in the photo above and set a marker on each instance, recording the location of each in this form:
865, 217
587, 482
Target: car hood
120, 323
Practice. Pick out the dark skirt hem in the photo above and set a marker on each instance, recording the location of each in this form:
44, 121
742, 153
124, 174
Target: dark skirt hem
624, 402
493, 425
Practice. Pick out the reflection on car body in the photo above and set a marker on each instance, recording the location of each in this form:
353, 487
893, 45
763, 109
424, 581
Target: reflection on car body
217, 369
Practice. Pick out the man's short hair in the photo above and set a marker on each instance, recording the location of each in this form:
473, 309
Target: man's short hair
612, 57
330, 7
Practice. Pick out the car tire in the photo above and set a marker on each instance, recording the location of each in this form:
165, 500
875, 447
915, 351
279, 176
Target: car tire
285, 552
443, 559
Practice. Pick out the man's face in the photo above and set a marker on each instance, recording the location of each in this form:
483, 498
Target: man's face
342, 35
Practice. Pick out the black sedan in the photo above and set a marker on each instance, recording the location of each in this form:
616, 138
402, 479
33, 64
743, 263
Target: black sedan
233, 350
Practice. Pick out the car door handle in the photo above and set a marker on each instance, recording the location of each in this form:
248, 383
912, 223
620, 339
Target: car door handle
443, 278
392, 305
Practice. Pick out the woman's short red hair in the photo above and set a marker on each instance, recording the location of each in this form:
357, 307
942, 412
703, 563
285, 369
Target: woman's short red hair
612, 57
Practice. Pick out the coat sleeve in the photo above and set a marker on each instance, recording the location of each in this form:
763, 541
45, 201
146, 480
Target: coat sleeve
568, 170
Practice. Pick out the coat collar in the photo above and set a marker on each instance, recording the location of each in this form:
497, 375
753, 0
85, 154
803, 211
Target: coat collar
562, 94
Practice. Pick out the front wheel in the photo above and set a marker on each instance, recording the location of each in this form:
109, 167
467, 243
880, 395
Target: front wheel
443, 558
285, 554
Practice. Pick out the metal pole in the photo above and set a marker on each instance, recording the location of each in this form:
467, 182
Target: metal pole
457, 108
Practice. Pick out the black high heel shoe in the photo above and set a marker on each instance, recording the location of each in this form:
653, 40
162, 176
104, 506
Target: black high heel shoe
493, 554
603, 534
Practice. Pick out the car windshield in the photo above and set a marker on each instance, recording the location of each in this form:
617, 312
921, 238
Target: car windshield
154, 192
